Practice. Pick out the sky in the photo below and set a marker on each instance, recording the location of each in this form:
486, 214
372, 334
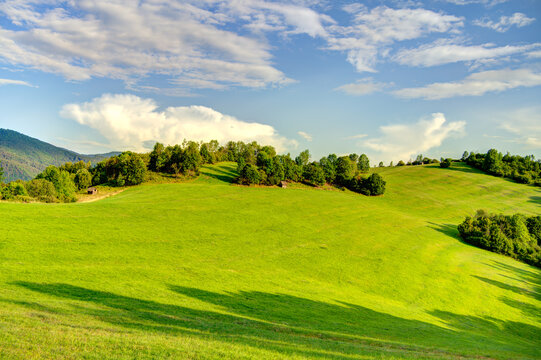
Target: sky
391, 79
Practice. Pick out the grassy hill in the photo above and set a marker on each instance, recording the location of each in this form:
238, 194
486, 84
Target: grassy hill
210, 270
23, 157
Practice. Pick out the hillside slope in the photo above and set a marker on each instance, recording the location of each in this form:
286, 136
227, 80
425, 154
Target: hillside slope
210, 270
23, 157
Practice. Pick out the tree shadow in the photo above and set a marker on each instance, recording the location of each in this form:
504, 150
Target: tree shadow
221, 172
535, 200
463, 167
449, 230
293, 325
517, 290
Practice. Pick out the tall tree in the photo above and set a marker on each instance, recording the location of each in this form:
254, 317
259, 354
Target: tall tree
493, 162
303, 158
345, 170
1, 173
364, 164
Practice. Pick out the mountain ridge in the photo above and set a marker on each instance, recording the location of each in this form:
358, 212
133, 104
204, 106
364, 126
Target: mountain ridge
23, 157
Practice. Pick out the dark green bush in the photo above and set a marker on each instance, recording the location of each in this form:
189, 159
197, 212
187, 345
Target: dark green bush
515, 235
39, 188
250, 175
445, 163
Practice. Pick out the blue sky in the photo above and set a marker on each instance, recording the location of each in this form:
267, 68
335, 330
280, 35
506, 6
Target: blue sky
391, 79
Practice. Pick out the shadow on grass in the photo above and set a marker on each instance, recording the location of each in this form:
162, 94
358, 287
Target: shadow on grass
535, 200
221, 172
450, 230
463, 167
516, 289
293, 325
530, 278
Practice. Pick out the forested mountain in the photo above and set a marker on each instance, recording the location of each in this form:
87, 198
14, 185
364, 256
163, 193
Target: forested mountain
23, 157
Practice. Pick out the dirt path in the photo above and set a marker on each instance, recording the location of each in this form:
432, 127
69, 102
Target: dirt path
91, 198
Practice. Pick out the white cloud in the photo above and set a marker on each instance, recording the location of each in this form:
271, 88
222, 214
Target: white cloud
475, 85
534, 54
506, 22
190, 42
358, 136
484, 2
15, 82
362, 87
402, 142
525, 124
305, 135
368, 38
129, 122
444, 52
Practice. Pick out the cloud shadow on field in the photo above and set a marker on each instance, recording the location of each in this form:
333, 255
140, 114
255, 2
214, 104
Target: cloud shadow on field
291, 325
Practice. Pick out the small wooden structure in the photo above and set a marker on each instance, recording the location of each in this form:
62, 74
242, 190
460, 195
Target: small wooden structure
92, 191
283, 184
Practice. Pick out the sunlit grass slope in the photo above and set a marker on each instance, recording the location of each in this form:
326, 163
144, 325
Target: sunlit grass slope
210, 270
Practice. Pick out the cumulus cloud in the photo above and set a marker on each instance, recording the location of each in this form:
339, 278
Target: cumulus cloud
444, 52
475, 85
372, 31
362, 87
15, 82
403, 141
506, 22
525, 125
129, 122
305, 135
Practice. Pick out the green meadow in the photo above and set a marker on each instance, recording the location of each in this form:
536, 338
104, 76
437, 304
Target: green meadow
209, 270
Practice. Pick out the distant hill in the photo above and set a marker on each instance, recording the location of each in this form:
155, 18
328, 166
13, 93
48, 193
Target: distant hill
23, 157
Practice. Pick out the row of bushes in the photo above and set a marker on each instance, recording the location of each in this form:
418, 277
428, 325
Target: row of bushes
518, 236
522, 169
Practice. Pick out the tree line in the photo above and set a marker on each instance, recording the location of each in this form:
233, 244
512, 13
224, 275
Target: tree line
517, 236
522, 169
261, 165
256, 164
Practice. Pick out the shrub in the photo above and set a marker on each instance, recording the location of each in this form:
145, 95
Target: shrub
250, 175
445, 163
40, 188
375, 184
313, 173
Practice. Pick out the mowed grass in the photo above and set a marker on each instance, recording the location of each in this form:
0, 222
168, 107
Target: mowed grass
209, 270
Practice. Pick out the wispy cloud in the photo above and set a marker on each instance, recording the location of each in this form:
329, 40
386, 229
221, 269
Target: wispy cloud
505, 22
15, 82
190, 42
475, 85
484, 2
364, 86
525, 125
305, 135
358, 136
445, 52
129, 122
373, 31
403, 141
